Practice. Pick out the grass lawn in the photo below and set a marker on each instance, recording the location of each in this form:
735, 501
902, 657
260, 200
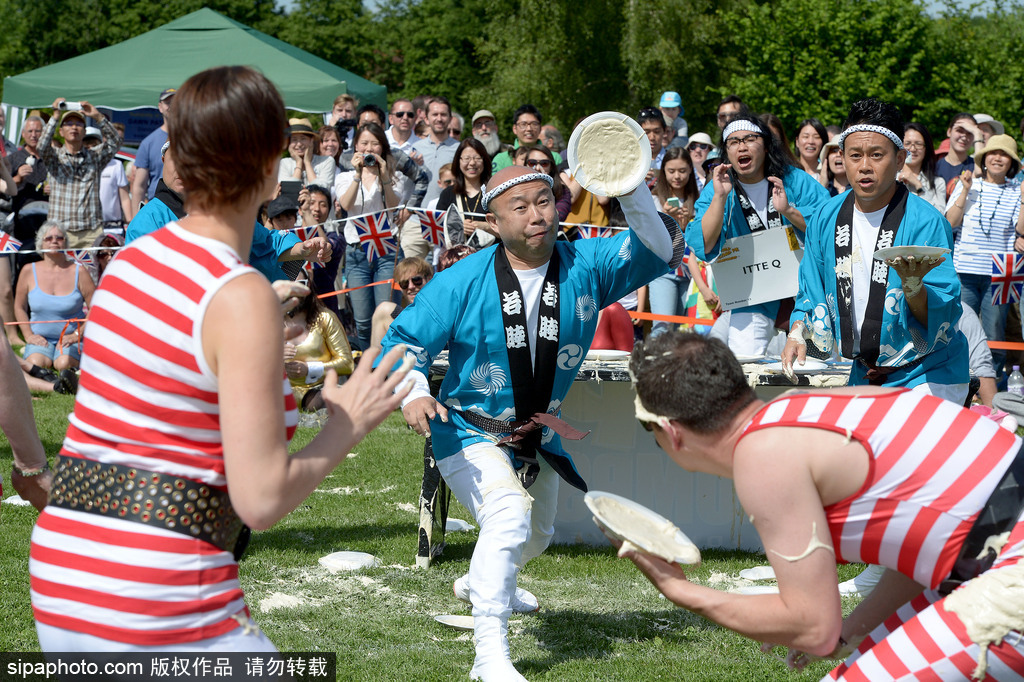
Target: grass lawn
600, 618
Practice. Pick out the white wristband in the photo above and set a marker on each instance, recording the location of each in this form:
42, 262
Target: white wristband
314, 372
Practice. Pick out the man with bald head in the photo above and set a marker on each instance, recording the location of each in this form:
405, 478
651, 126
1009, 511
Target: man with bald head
517, 320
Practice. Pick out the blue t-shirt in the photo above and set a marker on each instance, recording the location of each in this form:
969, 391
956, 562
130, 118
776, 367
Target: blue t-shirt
149, 157
267, 245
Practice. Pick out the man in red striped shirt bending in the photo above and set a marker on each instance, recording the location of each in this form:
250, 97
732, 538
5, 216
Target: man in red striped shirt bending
877, 475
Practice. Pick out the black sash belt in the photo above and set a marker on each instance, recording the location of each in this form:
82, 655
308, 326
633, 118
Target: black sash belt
524, 437
177, 504
876, 374
998, 516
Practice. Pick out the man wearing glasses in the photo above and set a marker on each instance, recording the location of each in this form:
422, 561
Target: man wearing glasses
75, 172
485, 130
400, 135
526, 123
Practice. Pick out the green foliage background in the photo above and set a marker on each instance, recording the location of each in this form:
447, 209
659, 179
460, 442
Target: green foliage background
794, 58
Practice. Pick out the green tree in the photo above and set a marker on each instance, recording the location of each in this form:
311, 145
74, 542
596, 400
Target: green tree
680, 45
561, 56
802, 58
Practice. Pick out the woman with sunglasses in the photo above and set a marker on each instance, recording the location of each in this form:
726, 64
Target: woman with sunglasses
315, 343
107, 246
699, 147
411, 275
50, 294
471, 167
541, 160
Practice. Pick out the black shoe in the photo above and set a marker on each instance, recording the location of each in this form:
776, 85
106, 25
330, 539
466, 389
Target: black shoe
43, 373
67, 383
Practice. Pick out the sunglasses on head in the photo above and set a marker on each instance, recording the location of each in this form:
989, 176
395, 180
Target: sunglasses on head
415, 281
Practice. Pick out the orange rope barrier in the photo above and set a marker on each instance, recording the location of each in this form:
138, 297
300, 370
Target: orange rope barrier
681, 319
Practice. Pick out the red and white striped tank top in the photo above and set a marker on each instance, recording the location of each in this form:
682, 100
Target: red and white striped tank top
148, 399
933, 465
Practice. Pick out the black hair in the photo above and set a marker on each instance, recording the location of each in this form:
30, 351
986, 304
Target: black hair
774, 124
732, 99
318, 189
876, 112
526, 109
775, 161
691, 379
311, 305
460, 179
960, 115
651, 114
928, 164
377, 111
819, 128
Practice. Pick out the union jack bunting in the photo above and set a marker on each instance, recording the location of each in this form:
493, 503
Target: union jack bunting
593, 231
431, 224
375, 236
81, 256
8, 244
1007, 277
304, 233
682, 270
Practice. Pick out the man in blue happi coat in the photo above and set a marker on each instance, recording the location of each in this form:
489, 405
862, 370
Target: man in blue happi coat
517, 320
896, 318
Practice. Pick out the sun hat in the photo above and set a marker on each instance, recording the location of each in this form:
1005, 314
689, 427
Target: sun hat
1002, 143
701, 138
300, 126
670, 99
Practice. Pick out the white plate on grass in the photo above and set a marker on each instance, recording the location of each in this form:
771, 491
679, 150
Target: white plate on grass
907, 251
457, 622
348, 561
809, 367
758, 573
595, 354
456, 525
640, 161
648, 530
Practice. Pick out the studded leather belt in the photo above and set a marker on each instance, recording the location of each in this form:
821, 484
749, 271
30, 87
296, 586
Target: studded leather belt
177, 504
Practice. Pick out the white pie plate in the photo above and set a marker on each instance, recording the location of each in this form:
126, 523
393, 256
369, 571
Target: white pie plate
348, 561
809, 367
639, 529
457, 622
580, 172
907, 251
749, 358
607, 354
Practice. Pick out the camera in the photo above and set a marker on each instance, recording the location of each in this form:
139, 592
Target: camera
69, 106
369, 160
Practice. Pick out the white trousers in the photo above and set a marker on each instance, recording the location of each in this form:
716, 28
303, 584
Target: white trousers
516, 525
750, 333
240, 639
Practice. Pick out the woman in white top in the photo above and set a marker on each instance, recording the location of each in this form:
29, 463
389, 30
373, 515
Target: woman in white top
918, 172
367, 189
987, 212
302, 163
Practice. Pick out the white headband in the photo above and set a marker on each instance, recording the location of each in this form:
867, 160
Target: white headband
512, 182
865, 128
739, 125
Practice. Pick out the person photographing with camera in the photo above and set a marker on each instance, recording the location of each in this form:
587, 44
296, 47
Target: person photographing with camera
75, 170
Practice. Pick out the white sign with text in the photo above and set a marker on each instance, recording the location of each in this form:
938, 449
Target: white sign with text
758, 268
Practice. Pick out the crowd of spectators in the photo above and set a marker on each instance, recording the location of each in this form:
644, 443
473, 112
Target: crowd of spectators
421, 155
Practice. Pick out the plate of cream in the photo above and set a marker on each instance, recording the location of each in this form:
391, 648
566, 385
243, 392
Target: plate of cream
640, 528
609, 154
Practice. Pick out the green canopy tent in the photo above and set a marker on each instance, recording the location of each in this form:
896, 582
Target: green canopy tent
131, 74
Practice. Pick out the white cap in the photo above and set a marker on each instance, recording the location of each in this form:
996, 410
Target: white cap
997, 127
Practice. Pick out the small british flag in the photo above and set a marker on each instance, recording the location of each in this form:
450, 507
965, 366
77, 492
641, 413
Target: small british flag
1007, 277
375, 236
593, 231
81, 256
304, 233
431, 224
8, 244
